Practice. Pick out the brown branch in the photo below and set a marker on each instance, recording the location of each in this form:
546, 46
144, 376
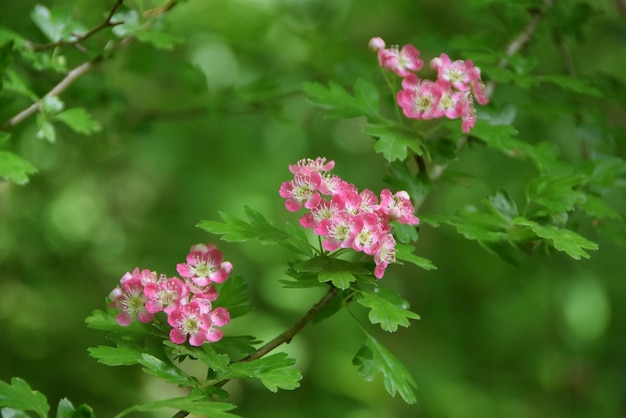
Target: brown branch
81, 38
284, 338
82, 69
56, 90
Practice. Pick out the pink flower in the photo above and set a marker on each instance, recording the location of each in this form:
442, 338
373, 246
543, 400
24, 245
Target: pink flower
317, 165
400, 61
189, 320
165, 295
338, 231
458, 73
398, 206
219, 318
303, 188
420, 102
385, 255
367, 232
130, 299
376, 43
205, 265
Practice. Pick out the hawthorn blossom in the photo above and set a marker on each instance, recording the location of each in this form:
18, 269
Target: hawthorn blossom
461, 73
400, 61
303, 188
347, 218
420, 101
130, 299
205, 265
165, 295
307, 164
219, 318
190, 320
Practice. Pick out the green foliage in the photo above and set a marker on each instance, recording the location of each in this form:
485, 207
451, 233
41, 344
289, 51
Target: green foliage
19, 395
65, 409
275, 372
387, 308
373, 359
340, 103
197, 405
14, 167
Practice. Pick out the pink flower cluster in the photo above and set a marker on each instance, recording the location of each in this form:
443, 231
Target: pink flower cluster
451, 95
343, 216
187, 302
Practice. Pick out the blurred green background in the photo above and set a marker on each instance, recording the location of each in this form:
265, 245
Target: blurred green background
212, 124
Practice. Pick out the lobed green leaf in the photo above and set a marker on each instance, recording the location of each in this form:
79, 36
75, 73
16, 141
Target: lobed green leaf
387, 308
404, 252
560, 238
197, 405
394, 141
340, 103
15, 168
125, 354
166, 371
78, 120
373, 358
19, 395
275, 371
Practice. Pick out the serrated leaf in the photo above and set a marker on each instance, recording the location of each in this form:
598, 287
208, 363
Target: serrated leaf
373, 358
122, 355
56, 23
197, 405
13, 413
340, 272
503, 204
387, 308
340, 103
560, 238
205, 353
243, 344
275, 371
166, 371
393, 142
130, 25
20, 396
596, 207
234, 229
404, 252
104, 321
45, 129
78, 120
15, 168
556, 193
234, 296
404, 233
17, 85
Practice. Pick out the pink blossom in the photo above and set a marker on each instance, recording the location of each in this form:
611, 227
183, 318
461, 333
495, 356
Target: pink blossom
421, 102
385, 255
205, 265
338, 231
400, 61
367, 232
165, 295
458, 73
219, 318
130, 299
189, 320
307, 164
451, 103
303, 188
376, 43
398, 206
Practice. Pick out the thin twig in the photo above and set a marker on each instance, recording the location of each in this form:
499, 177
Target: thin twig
56, 90
81, 38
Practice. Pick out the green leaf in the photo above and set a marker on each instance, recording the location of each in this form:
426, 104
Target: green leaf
205, 353
56, 23
196, 405
404, 252
556, 192
130, 25
243, 344
46, 129
20, 396
329, 269
561, 239
234, 296
167, 371
124, 354
65, 409
78, 120
104, 321
13, 413
503, 204
340, 103
15, 168
275, 371
597, 207
17, 85
234, 229
373, 358
393, 141
387, 308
